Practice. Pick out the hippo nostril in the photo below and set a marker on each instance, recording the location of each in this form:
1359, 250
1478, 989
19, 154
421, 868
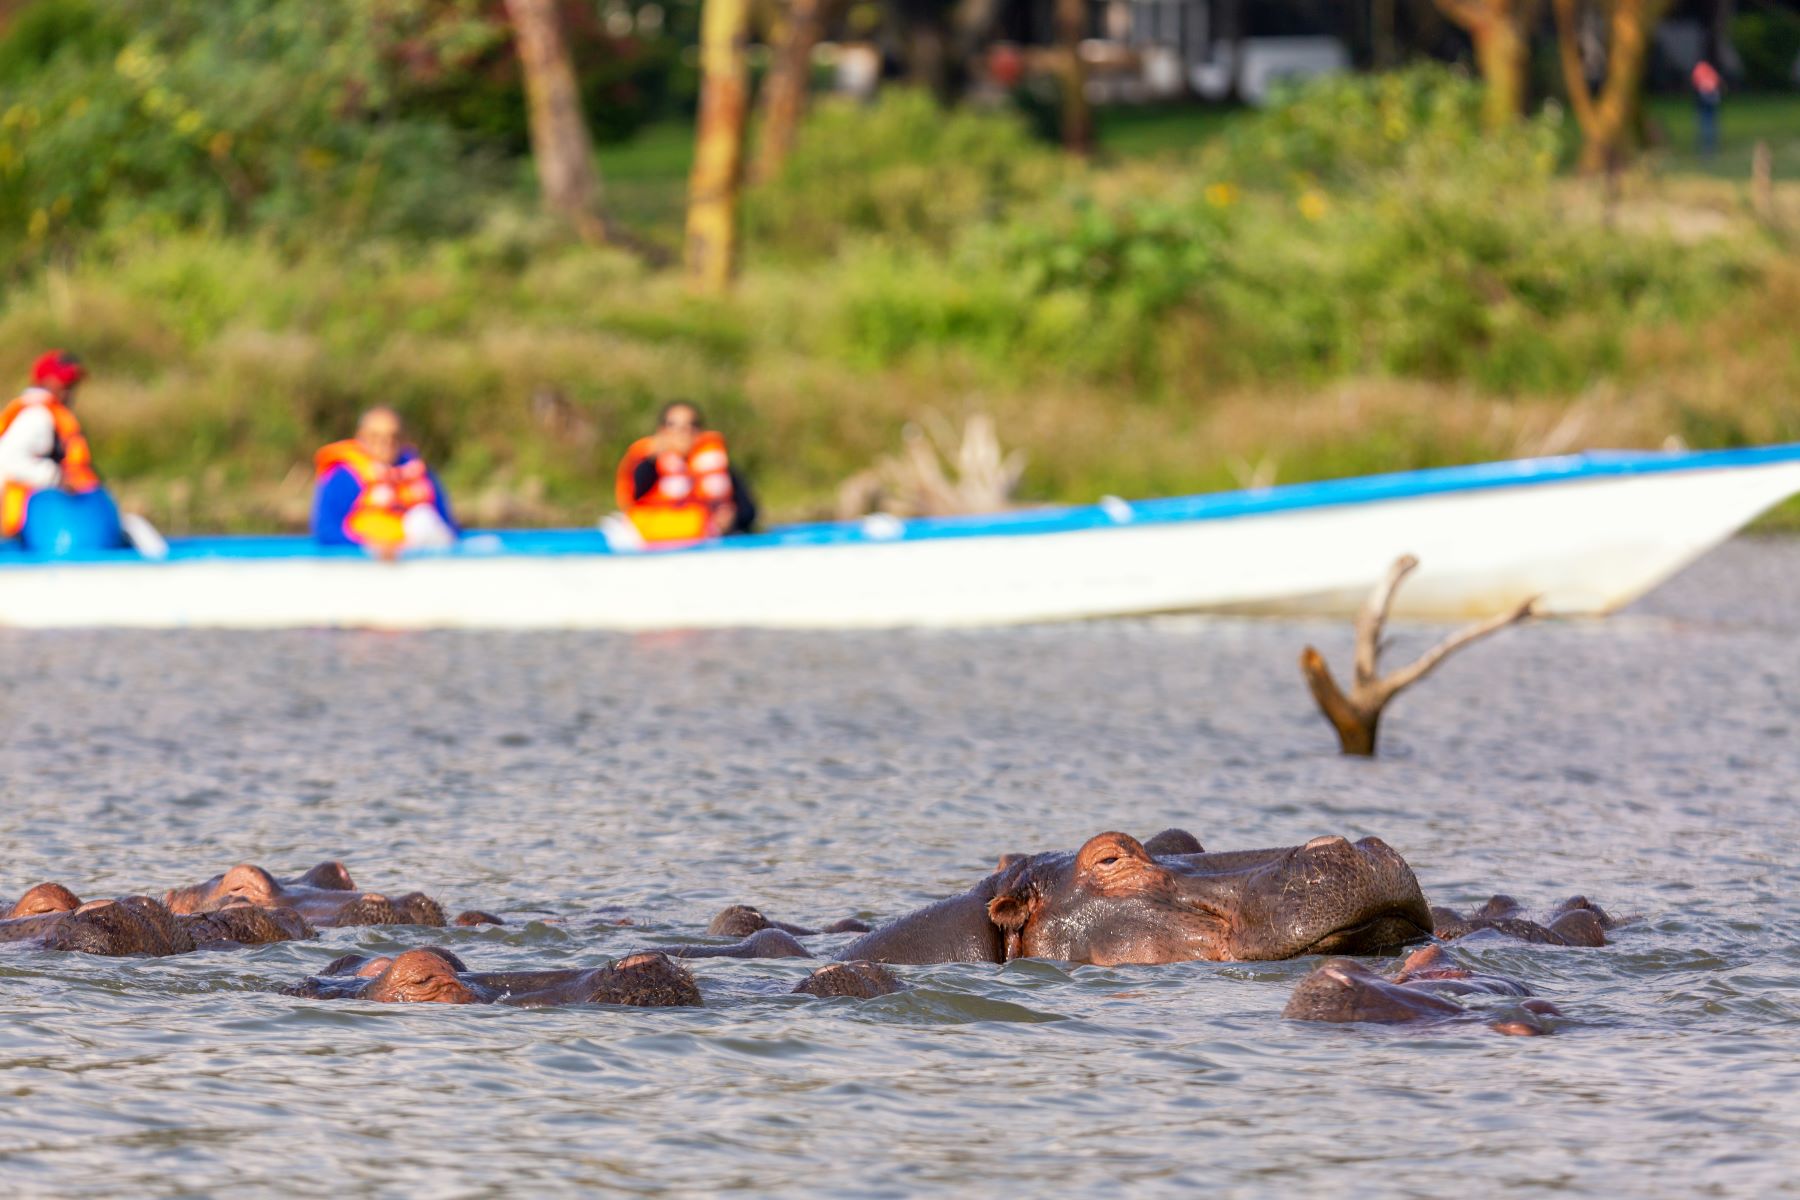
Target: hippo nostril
1321, 843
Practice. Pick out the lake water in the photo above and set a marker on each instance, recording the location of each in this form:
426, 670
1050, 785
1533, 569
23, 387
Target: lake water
1649, 761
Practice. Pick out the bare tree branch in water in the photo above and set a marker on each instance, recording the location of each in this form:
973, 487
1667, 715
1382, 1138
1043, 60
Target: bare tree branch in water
1357, 717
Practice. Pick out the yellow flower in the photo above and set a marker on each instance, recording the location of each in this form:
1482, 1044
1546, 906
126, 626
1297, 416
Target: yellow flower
1313, 205
189, 123
136, 62
39, 225
1221, 195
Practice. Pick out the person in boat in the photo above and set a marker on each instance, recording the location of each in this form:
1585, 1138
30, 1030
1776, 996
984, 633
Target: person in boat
41, 444
374, 491
679, 485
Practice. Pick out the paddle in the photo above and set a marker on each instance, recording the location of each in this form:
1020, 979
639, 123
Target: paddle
144, 537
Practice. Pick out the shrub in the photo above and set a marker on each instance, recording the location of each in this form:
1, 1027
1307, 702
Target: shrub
1341, 129
901, 167
1412, 245
217, 114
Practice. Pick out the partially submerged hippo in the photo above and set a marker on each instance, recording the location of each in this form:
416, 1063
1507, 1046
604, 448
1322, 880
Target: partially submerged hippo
1113, 902
141, 925
326, 896
644, 979
436, 976
1577, 921
1340, 989
741, 920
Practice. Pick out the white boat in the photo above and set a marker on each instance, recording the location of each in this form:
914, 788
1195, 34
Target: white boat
1585, 533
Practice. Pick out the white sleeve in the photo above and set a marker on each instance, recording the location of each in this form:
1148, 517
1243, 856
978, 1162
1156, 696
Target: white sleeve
25, 449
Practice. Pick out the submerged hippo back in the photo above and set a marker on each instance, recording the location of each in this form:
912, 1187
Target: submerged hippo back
130, 925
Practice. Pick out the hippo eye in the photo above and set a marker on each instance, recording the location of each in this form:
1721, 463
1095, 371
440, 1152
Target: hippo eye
1109, 860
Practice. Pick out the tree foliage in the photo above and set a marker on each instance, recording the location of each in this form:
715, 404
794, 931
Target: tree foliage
307, 120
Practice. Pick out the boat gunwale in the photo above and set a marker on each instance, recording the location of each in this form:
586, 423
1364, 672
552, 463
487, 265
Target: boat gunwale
1111, 513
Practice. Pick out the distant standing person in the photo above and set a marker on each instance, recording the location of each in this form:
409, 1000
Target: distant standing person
1708, 91
41, 443
374, 491
678, 484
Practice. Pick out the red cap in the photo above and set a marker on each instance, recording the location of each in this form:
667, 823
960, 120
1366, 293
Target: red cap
57, 367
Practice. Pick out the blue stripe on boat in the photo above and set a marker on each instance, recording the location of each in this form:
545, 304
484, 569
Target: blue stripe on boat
1402, 485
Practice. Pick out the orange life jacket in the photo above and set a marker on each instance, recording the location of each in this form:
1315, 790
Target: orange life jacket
688, 490
77, 461
378, 516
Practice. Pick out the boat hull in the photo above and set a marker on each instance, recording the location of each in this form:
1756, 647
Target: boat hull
1581, 544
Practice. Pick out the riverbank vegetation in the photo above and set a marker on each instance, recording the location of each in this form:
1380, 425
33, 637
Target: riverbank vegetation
1357, 279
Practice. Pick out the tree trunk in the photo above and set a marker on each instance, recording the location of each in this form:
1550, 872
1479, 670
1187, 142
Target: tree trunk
719, 144
1609, 119
1501, 31
1077, 115
560, 147
971, 24
1231, 33
785, 90
1501, 54
1384, 46
1719, 50
928, 57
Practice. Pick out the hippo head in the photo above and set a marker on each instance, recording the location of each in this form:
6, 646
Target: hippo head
421, 977
324, 896
1112, 902
44, 898
243, 884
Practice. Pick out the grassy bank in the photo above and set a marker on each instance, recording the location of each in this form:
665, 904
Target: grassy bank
1356, 284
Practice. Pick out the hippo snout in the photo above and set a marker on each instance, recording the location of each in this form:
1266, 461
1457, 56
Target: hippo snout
1330, 896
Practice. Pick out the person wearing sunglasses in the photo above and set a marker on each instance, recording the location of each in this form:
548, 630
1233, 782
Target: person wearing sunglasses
678, 484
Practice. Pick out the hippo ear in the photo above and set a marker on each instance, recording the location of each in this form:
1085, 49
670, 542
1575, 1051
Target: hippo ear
1014, 905
331, 876
1011, 910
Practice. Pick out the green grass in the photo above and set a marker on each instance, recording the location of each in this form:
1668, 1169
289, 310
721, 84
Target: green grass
1744, 120
645, 179
1147, 131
